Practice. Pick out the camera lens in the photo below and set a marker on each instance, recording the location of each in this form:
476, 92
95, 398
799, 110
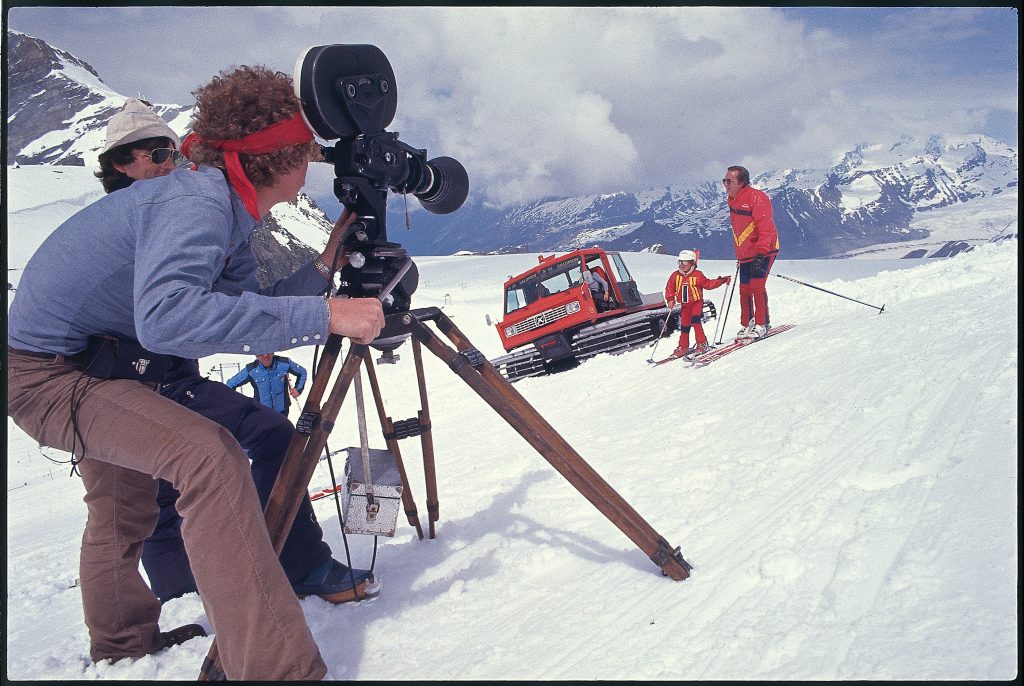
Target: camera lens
447, 186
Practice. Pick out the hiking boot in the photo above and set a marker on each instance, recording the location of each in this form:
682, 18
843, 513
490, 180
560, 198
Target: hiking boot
178, 636
332, 581
167, 639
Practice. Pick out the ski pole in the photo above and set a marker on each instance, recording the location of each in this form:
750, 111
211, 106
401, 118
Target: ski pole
664, 326
726, 315
817, 288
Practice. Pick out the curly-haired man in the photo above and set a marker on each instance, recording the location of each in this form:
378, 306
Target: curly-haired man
165, 267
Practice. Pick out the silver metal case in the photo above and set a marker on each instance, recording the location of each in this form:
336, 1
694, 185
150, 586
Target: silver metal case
387, 493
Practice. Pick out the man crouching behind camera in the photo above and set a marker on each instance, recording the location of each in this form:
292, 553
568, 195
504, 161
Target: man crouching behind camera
167, 263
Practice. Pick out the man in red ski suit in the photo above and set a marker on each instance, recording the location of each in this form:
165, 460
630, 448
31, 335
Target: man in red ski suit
686, 286
757, 244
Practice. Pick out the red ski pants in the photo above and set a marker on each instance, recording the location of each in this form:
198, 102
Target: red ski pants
690, 317
753, 294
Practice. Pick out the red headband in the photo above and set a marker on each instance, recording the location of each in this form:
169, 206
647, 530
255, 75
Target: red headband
285, 133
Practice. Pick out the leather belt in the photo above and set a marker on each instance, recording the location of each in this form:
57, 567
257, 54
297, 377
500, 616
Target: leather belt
43, 356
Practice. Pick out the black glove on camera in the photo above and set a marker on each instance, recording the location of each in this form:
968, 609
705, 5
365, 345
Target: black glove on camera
759, 267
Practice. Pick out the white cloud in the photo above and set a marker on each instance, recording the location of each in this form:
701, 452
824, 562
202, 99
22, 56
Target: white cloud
571, 100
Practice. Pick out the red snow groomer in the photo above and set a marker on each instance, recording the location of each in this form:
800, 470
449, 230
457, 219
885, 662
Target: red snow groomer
554, 318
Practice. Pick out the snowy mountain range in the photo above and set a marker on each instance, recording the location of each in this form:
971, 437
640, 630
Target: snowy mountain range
899, 193
58, 109
914, 197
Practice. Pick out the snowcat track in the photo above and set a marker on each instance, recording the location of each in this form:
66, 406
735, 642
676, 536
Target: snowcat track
614, 337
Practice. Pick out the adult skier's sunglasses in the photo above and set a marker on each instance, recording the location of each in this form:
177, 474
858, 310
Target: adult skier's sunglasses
161, 155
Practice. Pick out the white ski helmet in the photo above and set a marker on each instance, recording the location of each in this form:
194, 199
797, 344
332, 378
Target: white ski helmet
687, 256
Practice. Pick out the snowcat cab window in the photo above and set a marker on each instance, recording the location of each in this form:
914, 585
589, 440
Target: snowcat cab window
548, 281
620, 267
514, 299
562, 276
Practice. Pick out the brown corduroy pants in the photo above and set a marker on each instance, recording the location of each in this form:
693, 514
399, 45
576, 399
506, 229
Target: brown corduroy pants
132, 435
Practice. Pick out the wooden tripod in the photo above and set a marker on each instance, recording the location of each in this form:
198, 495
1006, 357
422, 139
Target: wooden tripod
316, 424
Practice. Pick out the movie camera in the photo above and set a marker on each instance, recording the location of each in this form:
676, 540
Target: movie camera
348, 94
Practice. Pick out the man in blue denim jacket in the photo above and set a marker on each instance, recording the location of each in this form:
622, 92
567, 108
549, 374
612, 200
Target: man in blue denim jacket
268, 375
141, 146
167, 263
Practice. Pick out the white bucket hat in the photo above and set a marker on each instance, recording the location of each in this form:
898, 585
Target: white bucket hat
135, 122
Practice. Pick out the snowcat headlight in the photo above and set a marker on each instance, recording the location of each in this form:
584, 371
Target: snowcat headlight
573, 307
509, 332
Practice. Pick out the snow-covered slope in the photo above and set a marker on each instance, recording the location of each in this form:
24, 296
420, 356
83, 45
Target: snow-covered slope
846, 493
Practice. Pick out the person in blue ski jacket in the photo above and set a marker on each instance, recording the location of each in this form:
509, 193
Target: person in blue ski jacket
268, 374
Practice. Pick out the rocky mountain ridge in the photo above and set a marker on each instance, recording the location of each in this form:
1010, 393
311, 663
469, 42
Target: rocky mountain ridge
877, 194
58, 112
917, 196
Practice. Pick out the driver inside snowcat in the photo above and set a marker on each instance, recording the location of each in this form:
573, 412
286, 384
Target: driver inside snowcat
558, 278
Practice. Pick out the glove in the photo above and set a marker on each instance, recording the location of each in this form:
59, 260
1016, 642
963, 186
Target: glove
728, 279
758, 266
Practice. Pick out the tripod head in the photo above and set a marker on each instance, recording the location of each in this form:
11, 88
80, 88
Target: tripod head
348, 94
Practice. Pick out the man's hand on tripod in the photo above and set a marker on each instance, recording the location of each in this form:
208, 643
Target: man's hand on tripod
331, 255
361, 319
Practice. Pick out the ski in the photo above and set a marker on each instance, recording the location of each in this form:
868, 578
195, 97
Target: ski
712, 355
670, 358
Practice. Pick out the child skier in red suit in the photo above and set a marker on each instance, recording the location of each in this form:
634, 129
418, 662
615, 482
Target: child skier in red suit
686, 286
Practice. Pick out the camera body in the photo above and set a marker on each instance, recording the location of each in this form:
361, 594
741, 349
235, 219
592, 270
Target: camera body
348, 94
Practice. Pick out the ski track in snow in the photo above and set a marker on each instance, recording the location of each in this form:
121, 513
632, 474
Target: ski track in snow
845, 491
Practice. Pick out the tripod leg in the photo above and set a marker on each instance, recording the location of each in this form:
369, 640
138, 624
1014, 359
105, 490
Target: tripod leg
557, 450
301, 459
388, 428
507, 402
304, 454
426, 440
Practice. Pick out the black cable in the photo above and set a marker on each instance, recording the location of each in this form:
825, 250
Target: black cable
341, 522
330, 460
76, 403
77, 434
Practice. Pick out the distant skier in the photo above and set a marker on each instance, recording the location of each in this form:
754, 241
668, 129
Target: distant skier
757, 245
686, 286
268, 374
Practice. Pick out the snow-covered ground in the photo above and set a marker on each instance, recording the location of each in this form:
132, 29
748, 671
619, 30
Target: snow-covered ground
846, 493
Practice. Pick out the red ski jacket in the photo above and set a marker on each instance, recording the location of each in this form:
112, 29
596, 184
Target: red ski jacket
753, 230
689, 288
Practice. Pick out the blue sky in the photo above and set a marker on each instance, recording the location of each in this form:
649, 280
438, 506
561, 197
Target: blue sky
571, 100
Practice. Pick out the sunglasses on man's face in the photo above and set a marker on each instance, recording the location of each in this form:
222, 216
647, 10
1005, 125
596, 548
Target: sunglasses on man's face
161, 155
